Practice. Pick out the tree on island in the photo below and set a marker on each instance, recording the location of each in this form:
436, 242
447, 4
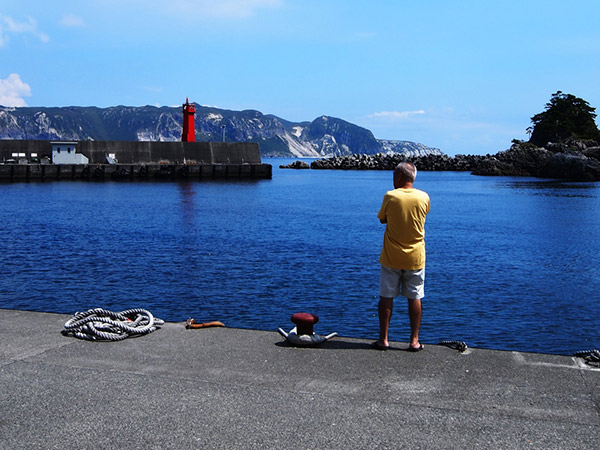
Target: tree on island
566, 116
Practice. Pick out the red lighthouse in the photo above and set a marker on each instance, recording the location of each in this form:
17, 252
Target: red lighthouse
189, 133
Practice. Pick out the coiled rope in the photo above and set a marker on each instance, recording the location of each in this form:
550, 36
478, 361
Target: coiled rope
102, 325
591, 357
456, 345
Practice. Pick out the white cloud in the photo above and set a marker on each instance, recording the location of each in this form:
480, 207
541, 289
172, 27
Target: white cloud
452, 130
9, 26
12, 91
71, 21
395, 115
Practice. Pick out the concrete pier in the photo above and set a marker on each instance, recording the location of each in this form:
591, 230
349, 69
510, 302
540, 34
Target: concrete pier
229, 388
99, 172
137, 160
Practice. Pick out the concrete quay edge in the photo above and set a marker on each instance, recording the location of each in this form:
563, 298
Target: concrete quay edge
235, 388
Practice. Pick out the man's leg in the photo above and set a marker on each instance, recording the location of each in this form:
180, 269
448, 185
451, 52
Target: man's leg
385, 314
414, 313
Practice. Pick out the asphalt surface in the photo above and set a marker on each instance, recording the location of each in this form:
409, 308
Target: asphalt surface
224, 388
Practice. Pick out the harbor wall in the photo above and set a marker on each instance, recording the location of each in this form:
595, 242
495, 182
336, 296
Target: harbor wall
100, 172
135, 160
132, 152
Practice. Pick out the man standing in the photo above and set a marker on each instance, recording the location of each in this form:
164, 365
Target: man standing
403, 255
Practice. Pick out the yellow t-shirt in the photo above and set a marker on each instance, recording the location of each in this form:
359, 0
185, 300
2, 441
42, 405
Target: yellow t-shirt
404, 239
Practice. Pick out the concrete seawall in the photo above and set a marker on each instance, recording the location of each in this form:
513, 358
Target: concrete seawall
99, 172
138, 152
201, 153
225, 388
137, 160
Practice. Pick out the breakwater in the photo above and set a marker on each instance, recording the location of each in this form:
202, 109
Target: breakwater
573, 160
380, 161
137, 152
99, 172
26, 160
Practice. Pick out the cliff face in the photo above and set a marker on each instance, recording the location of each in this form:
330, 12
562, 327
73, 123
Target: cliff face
323, 137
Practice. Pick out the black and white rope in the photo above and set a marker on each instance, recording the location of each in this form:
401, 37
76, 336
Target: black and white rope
102, 325
591, 357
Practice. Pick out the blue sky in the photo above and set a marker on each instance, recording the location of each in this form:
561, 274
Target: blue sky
463, 76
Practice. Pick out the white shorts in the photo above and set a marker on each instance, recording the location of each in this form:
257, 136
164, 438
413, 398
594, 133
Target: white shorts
409, 283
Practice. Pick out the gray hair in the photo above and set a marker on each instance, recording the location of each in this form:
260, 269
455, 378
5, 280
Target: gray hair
406, 170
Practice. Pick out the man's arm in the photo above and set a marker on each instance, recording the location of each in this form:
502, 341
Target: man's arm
381, 215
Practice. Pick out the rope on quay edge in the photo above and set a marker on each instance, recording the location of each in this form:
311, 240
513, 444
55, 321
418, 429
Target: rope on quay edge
591, 357
461, 346
102, 325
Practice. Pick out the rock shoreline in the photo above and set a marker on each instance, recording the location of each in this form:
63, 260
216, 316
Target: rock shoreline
572, 160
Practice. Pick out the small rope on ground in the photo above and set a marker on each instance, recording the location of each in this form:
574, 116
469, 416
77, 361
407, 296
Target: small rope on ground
456, 345
102, 325
191, 324
591, 357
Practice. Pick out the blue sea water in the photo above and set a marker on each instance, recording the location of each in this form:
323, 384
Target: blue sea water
513, 263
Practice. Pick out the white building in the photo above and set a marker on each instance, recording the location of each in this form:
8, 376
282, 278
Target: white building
65, 153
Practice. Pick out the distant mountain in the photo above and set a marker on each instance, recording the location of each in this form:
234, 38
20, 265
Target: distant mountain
412, 149
323, 137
